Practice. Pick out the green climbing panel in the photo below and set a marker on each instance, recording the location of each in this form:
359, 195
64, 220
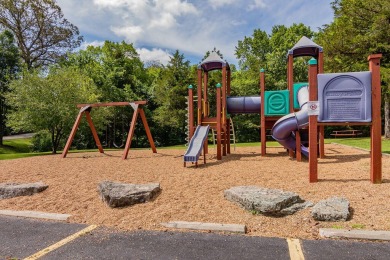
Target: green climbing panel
277, 103
297, 87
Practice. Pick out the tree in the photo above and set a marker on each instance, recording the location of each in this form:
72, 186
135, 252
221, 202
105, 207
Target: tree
170, 91
360, 28
49, 102
115, 68
9, 66
41, 31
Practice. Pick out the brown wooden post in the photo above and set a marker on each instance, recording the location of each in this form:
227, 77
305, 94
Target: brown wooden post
190, 112
376, 131
131, 131
219, 126
321, 128
298, 151
147, 129
224, 114
263, 136
205, 94
199, 110
205, 106
74, 130
313, 160
290, 84
228, 120
290, 79
93, 130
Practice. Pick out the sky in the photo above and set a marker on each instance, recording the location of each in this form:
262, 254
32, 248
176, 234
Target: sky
157, 28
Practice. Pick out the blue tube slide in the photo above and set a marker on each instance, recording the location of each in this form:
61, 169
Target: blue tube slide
283, 130
243, 105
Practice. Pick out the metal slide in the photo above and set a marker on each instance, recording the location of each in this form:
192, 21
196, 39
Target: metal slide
284, 128
196, 144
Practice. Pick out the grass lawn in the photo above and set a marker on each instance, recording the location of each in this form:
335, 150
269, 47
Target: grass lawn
17, 148
20, 148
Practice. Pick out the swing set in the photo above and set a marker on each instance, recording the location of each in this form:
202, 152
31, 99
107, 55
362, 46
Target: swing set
86, 109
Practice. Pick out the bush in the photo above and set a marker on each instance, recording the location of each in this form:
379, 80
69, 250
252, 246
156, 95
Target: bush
41, 142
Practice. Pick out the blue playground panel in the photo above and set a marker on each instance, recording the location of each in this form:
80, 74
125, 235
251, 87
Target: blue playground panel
345, 97
277, 103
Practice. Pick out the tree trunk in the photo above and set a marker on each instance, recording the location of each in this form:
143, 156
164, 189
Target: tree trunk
387, 116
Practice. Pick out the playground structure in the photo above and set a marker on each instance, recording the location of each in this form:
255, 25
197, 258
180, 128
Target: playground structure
286, 130
86, 109
343, 99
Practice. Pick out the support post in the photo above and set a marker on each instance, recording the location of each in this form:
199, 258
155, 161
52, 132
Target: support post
190, 111
313, 128
147, 129
199, 110
263, 136
376, 131
321, 128
298, 151
224, 127
219, 126
93, 130
131, 131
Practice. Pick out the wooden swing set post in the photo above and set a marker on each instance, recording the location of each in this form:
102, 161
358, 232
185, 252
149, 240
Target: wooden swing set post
86, 108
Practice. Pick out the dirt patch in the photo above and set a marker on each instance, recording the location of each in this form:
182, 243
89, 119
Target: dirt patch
196, 194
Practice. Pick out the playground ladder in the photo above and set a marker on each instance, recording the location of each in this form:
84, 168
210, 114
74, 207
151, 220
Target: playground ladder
232, 135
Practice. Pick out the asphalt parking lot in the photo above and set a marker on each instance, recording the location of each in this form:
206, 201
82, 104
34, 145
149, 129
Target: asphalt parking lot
40, 239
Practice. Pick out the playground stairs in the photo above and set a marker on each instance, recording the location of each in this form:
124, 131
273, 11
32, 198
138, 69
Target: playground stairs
232, 135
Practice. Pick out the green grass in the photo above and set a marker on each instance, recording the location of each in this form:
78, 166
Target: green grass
17, 148
363, 143
20, 148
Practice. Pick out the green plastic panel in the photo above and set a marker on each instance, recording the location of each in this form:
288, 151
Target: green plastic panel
297, 87
276, 103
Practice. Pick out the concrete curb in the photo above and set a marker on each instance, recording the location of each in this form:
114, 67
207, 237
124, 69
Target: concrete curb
356, 234
236, 228
35, 214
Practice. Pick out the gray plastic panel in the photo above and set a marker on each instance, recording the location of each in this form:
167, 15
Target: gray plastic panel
345, 97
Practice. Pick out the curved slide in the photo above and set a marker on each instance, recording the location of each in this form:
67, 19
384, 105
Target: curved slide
283, 130
196, 144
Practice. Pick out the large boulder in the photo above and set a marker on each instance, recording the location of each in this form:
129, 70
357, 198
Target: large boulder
10, 190
331, 209
262, 200
117, 194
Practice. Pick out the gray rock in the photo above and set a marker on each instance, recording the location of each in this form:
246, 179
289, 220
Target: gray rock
122, 194
10, 190
331, 209
262, 200
295, 207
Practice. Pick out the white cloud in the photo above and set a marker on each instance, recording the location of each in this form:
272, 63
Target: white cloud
215, 4
154, 55
257, 4
131, 33
84, 45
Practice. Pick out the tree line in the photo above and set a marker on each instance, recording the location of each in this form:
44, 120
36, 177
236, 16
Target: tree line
43, 75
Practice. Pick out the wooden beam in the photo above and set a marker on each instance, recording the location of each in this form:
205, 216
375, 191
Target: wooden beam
74, 130
93, 130
112, 104
313, 128
376, 128
263, 136
131, 132
147, 129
